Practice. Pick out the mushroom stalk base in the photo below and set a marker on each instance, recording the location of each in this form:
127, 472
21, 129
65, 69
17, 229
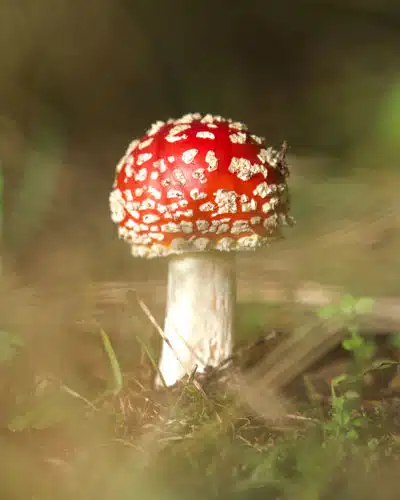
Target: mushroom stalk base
199, 317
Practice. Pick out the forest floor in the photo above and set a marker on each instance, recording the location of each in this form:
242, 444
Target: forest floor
291, 417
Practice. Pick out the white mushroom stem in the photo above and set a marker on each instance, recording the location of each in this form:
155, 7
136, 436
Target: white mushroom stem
201, 296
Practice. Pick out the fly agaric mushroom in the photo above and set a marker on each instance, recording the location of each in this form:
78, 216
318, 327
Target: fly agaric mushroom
194, 189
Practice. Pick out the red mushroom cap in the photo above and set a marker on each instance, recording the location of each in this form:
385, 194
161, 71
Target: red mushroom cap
199, 183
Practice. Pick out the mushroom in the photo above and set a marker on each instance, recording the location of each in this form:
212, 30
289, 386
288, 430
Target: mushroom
198, 189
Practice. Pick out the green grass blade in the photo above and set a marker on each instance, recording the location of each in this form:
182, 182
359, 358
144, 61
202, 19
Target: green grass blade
152, 360
114, 363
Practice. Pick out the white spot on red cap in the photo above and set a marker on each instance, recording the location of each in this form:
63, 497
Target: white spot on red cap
207, 207
271, 221
274, 201
141, 175
188, 118
173, 206
257, 139
160, 165
150, 218
225, 244
250, 206
117, 206
135, 214
243, 168
238, 138
129, 171
174, 193
262, 190
176, 138
131, 147
212, 161
196, 194
270, 156
148, 204
202, 225
199, 175
170, 227
270, 205
179, 176
205, 134
132, 205
240, 226
189, 155
201, 243
223, 228
155, 128
146, 143
131, 224
249, 242
226, 201
128, 194
208, 119
142, 158
154, 192
118, 169
184, 213
237, 125
187, 227
174, 133
266, 207
157, 236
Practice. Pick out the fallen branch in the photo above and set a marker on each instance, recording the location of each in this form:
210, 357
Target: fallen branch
383, 319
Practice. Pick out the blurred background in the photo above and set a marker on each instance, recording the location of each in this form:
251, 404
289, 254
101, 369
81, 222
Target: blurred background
79, 80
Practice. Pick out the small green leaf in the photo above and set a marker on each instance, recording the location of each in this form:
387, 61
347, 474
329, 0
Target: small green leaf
353, 343
328, 311
364, 305
347, 305
358, 422
347, 344
352, 434
345, 418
